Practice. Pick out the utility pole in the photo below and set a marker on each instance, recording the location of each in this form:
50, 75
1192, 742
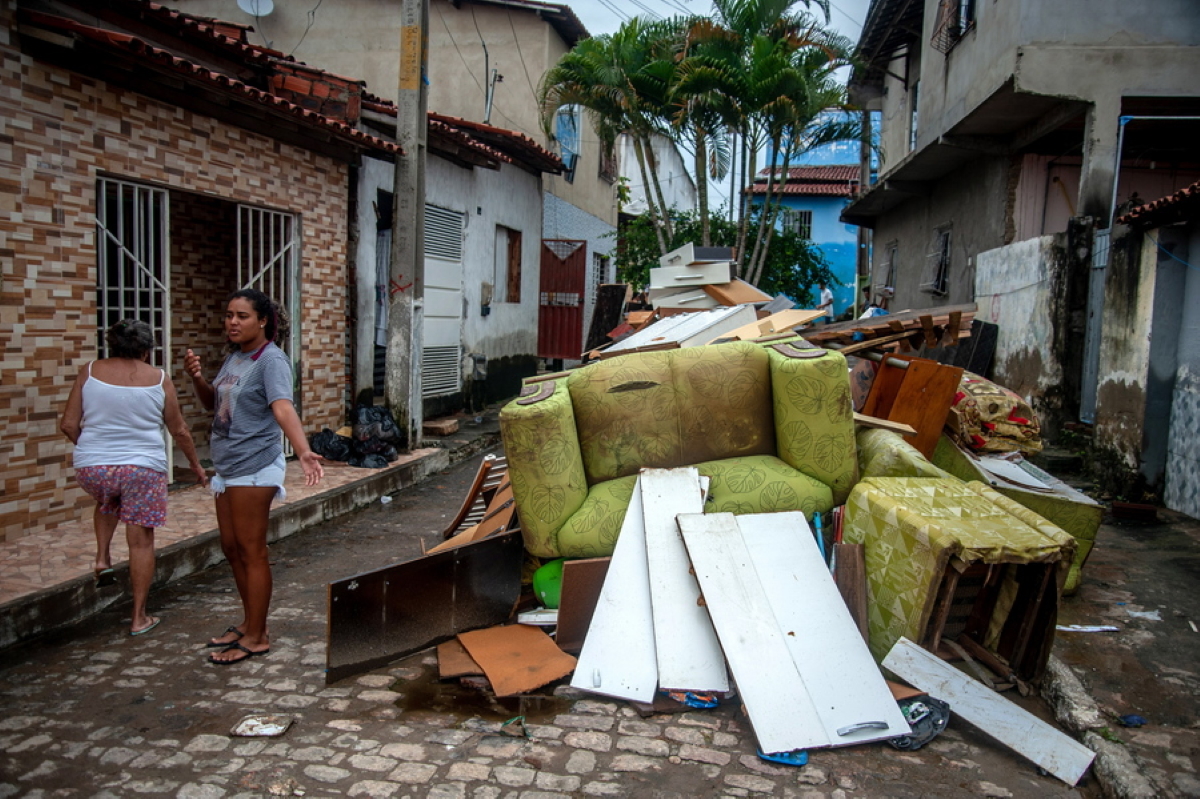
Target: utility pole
862, 271
406, 314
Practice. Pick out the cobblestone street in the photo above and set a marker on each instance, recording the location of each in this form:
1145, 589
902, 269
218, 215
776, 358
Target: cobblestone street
90, 711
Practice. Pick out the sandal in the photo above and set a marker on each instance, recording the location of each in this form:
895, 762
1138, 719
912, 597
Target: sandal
105, 578
250, 653
228, 630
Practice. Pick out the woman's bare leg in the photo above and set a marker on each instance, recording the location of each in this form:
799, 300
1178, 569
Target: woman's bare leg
248, 511
141, 572
105, 525
225, 524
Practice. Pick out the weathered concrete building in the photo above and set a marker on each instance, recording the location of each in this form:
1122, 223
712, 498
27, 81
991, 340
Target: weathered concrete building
1009, 133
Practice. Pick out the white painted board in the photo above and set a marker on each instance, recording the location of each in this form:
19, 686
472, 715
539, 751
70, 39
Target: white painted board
833, 660
780, 709
689, 655
1024, 733
617, 658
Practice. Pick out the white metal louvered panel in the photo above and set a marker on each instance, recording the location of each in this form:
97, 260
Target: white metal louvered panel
440, 373
443, 233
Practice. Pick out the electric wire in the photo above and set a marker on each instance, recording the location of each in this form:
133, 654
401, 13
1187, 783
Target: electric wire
312, 18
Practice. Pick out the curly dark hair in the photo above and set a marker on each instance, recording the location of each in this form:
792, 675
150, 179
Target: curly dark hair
129, 338
268, 310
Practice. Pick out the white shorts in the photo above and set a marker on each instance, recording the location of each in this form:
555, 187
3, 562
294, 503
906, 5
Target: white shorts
272, 475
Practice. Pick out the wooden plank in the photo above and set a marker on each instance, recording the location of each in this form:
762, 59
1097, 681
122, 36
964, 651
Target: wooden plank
618, 658
858, 346
850, 574
884, 388
931, 338
950, 339
1023, 732
582, 581
689, 655
900, 334
883, 424
923, 401
830, 653
769, 685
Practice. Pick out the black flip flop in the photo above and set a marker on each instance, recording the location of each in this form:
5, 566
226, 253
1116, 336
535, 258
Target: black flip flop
105, 578
214, 644
250, 653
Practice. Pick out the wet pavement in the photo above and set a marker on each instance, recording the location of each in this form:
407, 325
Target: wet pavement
89, 711
1145, 580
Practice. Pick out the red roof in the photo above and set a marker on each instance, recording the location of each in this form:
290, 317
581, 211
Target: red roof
821, 181
817, 189
824, 174
518, 144
1165, 210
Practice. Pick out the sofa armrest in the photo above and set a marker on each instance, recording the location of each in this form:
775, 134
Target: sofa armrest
814, 415
545, 464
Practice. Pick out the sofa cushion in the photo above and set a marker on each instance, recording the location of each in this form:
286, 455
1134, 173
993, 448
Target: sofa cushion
762, 484
673, 408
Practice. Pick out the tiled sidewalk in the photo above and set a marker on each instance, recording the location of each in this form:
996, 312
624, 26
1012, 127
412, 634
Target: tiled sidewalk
36, 562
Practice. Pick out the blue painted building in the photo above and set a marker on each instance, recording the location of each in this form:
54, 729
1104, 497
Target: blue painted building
813, 198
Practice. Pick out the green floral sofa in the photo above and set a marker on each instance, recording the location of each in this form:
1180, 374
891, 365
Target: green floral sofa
770, 424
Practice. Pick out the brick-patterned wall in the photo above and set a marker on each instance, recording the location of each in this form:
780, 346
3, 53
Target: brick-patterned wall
59, 131
203, 252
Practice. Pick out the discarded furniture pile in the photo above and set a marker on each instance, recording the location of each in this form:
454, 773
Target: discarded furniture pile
694, 298
768, 521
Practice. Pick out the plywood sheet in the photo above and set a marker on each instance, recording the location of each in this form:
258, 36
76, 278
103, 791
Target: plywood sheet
582, 581
618, 657
453, 660
1024, 733
689, 655
517, 658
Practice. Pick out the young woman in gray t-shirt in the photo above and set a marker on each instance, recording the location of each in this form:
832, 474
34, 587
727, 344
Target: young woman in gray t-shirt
252, 401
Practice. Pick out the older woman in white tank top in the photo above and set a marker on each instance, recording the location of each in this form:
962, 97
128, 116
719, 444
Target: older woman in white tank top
115, 416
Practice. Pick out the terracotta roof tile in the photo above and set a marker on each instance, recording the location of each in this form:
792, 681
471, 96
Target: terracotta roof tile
163, 57
1164, 209
821, 173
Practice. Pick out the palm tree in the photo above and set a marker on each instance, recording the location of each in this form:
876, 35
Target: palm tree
622, 80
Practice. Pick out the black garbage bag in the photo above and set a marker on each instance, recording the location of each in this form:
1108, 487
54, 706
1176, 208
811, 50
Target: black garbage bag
330, 445
376, 437
369, 461
374, 422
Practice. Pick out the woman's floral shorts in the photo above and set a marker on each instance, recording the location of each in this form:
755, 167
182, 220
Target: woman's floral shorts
137, 495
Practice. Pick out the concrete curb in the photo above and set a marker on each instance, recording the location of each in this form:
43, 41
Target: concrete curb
1116, 770
76, 600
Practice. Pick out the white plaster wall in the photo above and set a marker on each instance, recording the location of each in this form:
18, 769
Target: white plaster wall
679, 190
508, 197
1182, 491
1012, 289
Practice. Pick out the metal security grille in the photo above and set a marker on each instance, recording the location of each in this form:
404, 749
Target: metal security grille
132, 248
268, 255
439, 371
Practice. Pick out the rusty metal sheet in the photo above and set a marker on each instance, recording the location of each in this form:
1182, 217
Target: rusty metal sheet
380, 616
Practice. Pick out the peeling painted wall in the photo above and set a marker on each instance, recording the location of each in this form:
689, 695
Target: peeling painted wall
1182, 490
1015, 287
1125, 354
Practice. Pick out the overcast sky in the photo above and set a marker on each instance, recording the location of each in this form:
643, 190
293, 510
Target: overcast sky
605, 16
